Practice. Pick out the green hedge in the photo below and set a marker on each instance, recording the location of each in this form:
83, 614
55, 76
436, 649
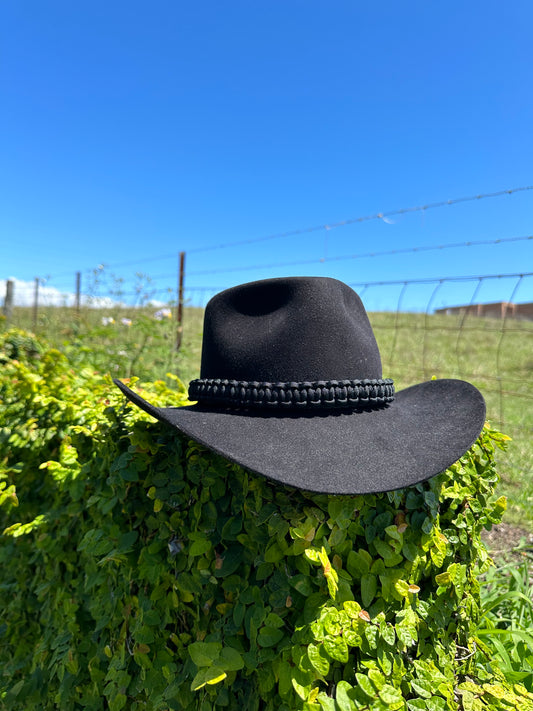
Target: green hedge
140, 571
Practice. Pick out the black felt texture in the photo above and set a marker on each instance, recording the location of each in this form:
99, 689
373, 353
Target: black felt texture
310, 328
295, 329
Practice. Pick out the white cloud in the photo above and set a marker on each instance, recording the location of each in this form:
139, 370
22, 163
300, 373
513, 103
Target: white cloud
24, 295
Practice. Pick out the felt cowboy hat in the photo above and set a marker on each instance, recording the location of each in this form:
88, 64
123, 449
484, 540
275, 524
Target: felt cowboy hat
291, 388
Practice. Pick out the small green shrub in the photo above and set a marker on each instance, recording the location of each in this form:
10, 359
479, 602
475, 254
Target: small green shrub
140, 571
17, 344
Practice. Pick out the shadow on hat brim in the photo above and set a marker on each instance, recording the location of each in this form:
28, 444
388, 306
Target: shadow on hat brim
425, 430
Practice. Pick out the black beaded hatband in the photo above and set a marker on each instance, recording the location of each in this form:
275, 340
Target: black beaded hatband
320, 393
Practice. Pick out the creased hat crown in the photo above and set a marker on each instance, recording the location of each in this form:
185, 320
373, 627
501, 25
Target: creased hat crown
292, 329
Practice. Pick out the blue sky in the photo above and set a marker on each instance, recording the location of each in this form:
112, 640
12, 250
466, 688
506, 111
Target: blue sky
131, 130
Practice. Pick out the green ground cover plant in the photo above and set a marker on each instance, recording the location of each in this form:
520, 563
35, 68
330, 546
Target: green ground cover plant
140, 571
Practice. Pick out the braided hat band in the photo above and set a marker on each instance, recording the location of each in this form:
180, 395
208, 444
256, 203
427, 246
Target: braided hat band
292, 395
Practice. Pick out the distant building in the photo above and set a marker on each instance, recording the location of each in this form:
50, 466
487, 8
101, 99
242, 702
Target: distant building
499, 309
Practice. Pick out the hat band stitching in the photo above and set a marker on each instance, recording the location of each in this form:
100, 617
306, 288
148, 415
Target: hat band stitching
296, 395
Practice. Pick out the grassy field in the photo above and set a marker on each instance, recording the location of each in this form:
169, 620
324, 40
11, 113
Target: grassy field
495, 356
417, 347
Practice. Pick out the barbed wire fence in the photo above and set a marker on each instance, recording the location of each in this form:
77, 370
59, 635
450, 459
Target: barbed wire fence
464, 337
68, 286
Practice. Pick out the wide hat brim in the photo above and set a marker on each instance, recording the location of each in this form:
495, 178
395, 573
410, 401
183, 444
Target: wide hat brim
425, 430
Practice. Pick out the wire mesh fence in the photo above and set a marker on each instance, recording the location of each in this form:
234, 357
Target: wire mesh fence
477, 327
434, 327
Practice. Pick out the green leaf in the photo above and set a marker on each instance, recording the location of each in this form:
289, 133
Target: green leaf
353, 638
269, 636
318, 658
410, 551
344, 697
383, 548
391, 696
130, 474
341, 508
285, 679
352, 608
336, 647
365, 685
273, 553
369, 586
200, 547
127, 540
387, 632
436, 703
332, 580
427, 670
417, 705
313, 554
273, 620
302, 584
377, 679
302, 689
356, 565
238, 614
371, 635
326, 702
422, 688
387, 659
204, 654
468, 699
118, 702
230, 659
231, 559
438, 554
443, 579
406, 634
332, 622
208, 675
337, 537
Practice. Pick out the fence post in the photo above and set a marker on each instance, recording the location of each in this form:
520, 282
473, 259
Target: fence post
181, 279
35, 302
8, 301
78, 293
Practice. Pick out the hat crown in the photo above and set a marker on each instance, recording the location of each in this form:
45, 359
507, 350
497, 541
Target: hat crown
290, 329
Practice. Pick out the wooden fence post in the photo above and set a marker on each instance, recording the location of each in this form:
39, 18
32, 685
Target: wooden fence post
78, 293
35, 302
8, 301
181, 279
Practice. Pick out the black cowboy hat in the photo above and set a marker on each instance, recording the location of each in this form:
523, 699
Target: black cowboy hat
291, 388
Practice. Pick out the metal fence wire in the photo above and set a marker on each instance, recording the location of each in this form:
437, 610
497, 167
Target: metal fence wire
478, 328
432, 327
